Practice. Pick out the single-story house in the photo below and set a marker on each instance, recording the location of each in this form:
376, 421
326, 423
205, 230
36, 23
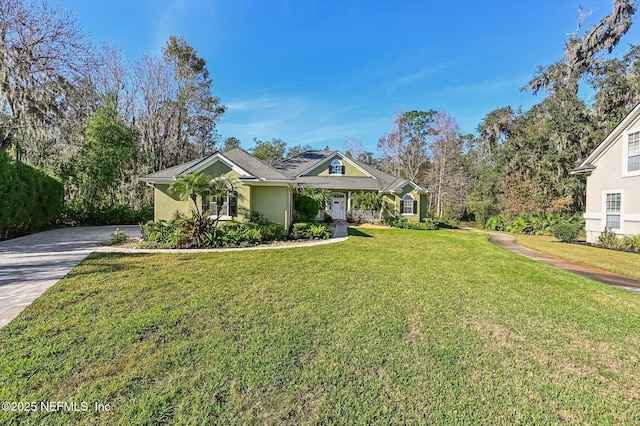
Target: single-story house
613, 181
270, 189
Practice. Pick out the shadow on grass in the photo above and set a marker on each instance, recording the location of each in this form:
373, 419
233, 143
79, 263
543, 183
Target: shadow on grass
104, 263
358, 233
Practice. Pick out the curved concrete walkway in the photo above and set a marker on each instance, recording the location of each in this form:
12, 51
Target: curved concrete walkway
509, 242
31, 264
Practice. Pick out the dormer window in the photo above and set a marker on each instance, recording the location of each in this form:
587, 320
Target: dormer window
336, 167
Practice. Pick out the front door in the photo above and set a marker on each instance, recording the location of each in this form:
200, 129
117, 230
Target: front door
338, 206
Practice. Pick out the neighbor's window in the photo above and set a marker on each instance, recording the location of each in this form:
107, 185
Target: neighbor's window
634, 152
229, 206
613, 211
336, 168
408, 205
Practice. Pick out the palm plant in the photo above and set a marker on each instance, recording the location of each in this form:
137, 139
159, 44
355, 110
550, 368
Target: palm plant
190, 186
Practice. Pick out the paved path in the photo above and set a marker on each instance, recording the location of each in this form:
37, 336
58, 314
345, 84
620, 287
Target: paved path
341, 229
509, 242
31, 264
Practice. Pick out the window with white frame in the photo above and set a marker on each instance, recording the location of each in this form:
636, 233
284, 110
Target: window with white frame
229, 206
633, 153
613, 204
408, 205
336, 167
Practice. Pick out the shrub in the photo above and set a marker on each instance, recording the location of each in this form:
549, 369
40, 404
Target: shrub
211, 239
76, 214
272, 231
609, 239
319, 231
30, 200
299, 230
306, 207
631, 243
566, 232
251, 236
231, 237
166, 234
428, 224
118, 237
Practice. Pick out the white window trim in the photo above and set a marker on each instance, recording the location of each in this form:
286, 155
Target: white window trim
225, 216
603, 222
402, 205
332, 173
625, 154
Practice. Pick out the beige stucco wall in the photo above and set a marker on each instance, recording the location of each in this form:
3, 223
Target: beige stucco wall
610, 176
323, 169
272, 201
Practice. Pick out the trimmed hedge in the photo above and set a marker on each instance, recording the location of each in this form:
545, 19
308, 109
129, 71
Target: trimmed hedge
30, 200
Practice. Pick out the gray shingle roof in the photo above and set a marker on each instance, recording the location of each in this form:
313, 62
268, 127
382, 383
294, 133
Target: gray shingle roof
174, 171
294, 166
253, 165
238, 156
290, 169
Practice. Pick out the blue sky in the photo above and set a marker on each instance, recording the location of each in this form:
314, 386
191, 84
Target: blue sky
321, 72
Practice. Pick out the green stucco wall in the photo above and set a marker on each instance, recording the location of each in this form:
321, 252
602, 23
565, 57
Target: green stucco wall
395, 200
273, 202
219, 168
323, 169
166, 206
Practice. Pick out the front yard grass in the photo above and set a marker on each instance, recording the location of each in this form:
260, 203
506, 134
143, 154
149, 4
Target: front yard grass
622, 263
391, 326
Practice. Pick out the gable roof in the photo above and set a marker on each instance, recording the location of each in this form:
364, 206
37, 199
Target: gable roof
588, 165
248, 166
290, 170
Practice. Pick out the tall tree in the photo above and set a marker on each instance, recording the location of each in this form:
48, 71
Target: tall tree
230, 143
271, 151
103, 161
297, 150
45, 58
448, 177
404, 149
198, 109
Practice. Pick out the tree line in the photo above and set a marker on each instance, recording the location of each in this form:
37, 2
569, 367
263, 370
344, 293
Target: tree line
98, 122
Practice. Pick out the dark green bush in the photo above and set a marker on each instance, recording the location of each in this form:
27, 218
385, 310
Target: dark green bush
535, 224
107, 215
306, 207
30, 200
566, 232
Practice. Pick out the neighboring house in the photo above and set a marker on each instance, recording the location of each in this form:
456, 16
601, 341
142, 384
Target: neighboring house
613, 181
269, 189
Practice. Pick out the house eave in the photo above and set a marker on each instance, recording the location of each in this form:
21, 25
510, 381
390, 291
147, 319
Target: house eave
584, 169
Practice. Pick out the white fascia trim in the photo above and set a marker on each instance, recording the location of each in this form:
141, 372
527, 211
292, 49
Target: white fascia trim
158, 180
212, 159
417, 187
627, 122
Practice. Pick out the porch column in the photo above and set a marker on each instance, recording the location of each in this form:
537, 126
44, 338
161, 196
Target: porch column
349, 202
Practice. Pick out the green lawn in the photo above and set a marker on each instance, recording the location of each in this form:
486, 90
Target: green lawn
610, 260
391, 326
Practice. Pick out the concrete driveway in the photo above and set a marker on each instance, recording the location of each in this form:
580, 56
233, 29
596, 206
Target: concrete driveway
31, 264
